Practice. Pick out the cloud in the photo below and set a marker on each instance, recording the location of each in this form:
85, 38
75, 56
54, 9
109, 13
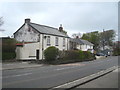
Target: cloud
75, 17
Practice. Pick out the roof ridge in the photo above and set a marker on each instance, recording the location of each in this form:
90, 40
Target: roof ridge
44, 26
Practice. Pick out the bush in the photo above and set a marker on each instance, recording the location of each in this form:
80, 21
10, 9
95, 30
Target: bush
8, 55
87, 54
116, 51
51, 53
69, 55
81, 55
8, 48
76, 55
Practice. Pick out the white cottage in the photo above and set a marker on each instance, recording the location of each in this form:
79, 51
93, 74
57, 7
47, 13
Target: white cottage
81, 44
36, 38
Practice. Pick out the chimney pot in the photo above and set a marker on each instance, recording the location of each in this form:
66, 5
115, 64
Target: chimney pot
27, 20
60, 28
77, 36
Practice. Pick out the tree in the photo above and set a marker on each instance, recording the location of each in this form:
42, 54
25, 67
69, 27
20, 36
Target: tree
1, 23
107, 37
76, 35
100, 39
92, 37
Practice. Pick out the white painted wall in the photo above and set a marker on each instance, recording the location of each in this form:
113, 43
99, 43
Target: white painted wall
60, 42
27, 34
84, 47
30, 48
27, 51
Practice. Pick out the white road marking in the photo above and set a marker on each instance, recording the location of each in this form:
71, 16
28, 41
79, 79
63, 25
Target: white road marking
8, 64
17, 75
65, 68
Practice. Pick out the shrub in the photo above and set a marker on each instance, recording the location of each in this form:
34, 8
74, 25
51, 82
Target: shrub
87, 54
8, 55
51, 53
8, 48
76, 55
116, 51
81, 55
61, 54
71, 54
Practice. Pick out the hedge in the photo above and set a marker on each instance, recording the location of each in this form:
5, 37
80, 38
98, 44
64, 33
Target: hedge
8, 48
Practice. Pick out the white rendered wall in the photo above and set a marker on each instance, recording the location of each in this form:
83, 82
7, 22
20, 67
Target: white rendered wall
28, 51
27, 34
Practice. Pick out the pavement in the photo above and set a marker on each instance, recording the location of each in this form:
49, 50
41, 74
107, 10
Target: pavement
18, 65
109, 80
53, 75
104, 79
27, 64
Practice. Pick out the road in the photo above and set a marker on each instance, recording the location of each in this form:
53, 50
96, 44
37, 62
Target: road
53, 75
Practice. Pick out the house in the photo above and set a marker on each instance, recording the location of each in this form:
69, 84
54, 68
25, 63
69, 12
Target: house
80, 44
35, 38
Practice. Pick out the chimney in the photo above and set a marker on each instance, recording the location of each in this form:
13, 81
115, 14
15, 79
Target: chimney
77, 36
60, 28
27, 20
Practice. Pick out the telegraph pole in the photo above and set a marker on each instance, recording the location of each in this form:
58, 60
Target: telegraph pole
103, 40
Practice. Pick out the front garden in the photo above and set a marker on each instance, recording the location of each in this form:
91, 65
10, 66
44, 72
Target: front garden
55, 56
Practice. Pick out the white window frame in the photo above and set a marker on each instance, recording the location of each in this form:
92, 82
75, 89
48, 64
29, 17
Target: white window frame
48, 41
63, 42
56, 41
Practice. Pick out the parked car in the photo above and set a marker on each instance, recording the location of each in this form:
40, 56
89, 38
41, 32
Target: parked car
101, 54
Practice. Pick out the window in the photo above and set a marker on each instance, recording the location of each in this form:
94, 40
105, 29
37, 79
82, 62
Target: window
63, 42
48, 40
80, 47
56, 41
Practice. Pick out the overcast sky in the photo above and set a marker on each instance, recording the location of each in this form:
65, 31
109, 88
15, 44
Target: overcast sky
75, 17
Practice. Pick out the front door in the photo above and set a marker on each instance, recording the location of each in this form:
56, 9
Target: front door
37, 54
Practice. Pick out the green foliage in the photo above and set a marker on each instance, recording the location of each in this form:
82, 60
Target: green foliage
116, 51
87, 55
71, 54
51, 53
8, 48
100, 38
92, 37
108, 37
8, 55
81, 55
76, 55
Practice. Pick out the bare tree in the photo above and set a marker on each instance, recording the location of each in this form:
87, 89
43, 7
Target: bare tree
1, 23
77, 35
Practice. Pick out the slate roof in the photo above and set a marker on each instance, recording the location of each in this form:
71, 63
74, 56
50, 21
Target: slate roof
47, 30
81, 41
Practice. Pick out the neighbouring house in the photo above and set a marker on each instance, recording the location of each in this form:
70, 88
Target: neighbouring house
107, 50
80, 44
35, 38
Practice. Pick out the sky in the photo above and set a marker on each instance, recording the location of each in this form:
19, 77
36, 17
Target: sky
75, 17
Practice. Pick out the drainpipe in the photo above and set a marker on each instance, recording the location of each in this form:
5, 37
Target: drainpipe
42, 44
39, 45
67, 43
